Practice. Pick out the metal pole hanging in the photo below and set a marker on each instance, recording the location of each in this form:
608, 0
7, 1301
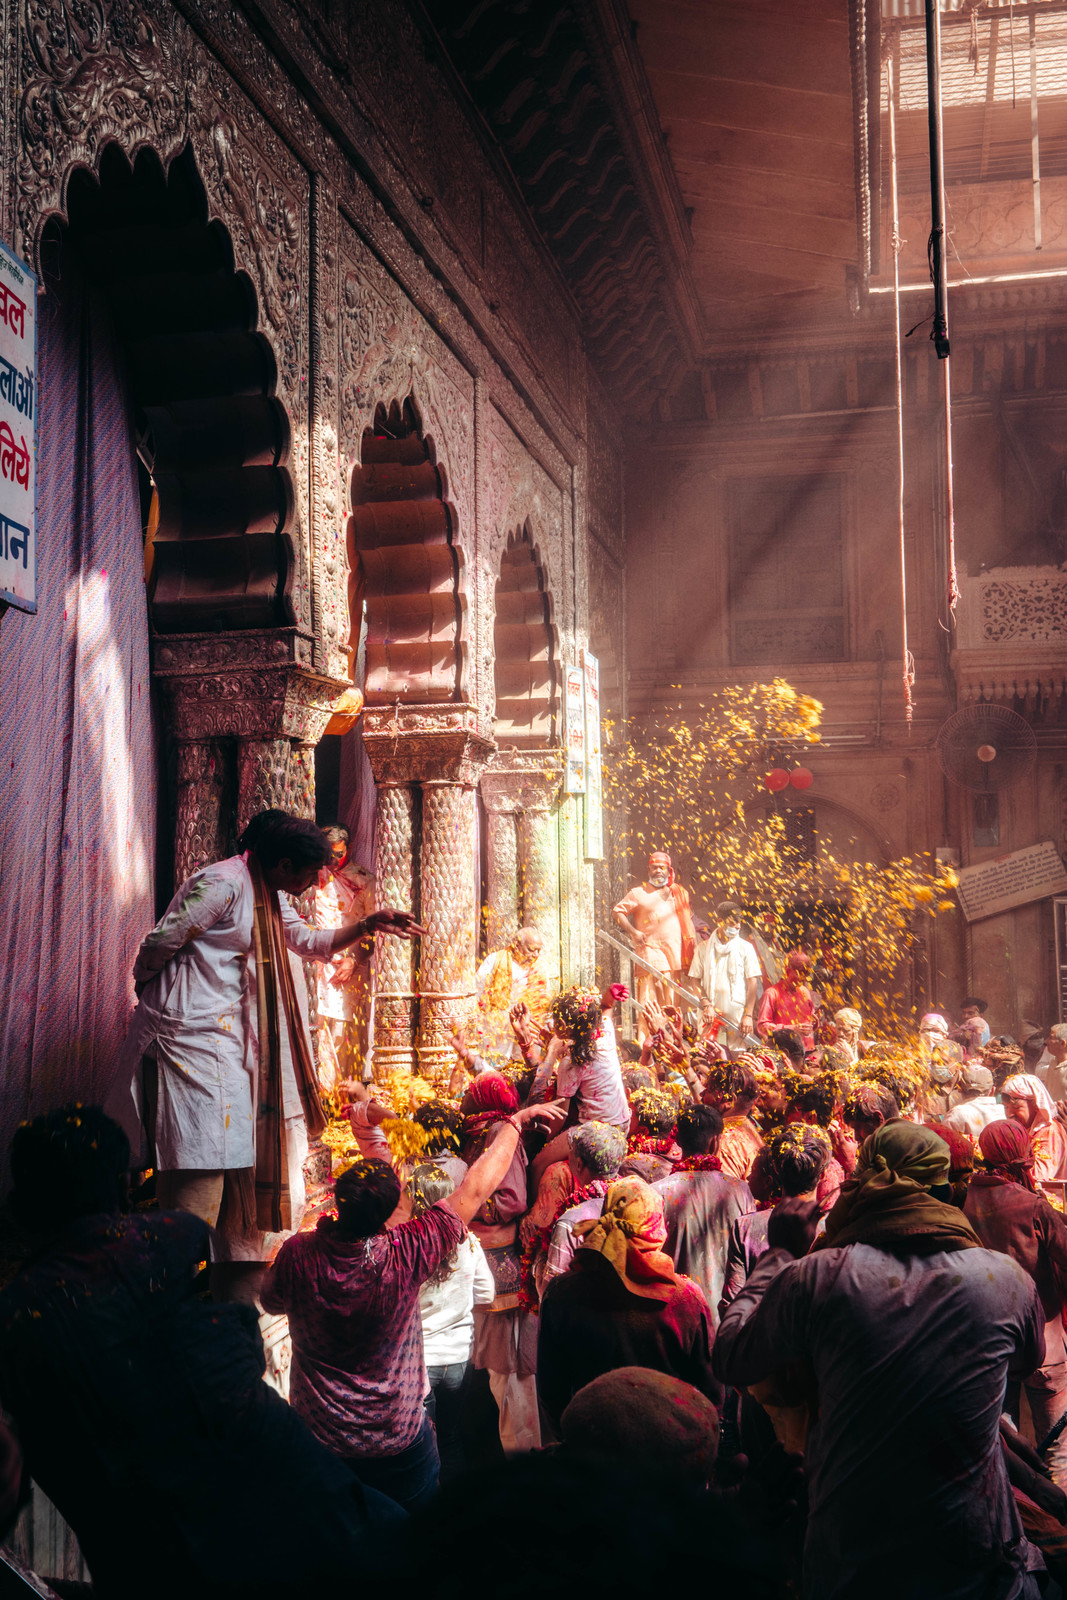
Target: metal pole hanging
938, 257
939, 274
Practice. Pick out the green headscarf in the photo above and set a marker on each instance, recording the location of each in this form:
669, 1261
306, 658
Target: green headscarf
909, 1150
887, 1202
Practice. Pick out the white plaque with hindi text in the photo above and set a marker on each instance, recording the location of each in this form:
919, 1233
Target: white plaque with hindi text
1011, 880
574, 730
18, 432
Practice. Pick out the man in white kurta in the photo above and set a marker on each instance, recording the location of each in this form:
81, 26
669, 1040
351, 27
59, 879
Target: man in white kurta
728, 970
196, 1021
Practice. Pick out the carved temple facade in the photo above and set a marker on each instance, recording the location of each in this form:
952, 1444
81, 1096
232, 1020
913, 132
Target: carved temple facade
456, 340
360, 389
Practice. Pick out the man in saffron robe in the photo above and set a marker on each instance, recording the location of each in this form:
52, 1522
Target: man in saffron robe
504, 978
656, 915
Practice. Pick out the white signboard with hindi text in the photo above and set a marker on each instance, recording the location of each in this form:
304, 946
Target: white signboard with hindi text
574, 730
18, 432
594, 783
1011, 880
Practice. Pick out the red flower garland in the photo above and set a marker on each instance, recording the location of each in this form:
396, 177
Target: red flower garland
643, 1144
529, 1299
704, 1163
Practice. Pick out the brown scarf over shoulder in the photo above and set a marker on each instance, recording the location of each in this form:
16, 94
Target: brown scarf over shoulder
887, 1203
275, 994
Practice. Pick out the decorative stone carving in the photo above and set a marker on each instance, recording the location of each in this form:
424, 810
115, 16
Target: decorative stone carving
1033, 611
406, 744
329, 564
273, 773
388, 351
885, 797
95, 72
502, 911
198, 836
246, 685
394, 1000
449, 912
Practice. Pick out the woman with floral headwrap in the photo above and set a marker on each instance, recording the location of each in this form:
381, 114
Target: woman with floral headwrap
622, 1304
1027, 1102
1006, 1212
581, 1064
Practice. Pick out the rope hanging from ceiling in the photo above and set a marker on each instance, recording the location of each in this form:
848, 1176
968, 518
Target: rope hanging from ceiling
908, 660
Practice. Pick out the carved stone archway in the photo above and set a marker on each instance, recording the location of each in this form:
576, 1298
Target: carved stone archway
521, 783
425, 745
244, 702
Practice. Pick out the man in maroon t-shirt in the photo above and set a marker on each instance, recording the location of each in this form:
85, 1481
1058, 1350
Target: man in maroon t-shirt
350, 1290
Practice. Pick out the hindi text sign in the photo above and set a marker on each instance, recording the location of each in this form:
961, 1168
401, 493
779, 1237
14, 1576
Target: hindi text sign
1011, 880
574, 730
18, 432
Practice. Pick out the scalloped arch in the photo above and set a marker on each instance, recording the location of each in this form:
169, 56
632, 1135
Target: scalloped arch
525, 646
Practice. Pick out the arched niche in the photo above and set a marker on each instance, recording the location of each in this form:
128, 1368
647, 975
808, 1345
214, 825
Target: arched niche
839, 831
212, 438
404, 565
524, 665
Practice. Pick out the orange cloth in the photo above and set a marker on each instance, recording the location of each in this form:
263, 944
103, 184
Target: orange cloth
629, 1233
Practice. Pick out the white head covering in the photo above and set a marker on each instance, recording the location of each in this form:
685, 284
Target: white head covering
1024, 1086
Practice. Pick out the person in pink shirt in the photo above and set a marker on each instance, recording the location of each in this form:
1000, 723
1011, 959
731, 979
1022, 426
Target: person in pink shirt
789, 1003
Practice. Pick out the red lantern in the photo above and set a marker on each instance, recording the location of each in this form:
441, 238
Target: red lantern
801, 778
777, 779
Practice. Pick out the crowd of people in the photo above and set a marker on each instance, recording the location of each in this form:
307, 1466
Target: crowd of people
775, 1302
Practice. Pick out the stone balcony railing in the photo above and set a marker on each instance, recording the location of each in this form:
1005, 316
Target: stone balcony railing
1011, 634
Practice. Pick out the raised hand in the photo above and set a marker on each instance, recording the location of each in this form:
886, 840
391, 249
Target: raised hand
521, 1024
397, 924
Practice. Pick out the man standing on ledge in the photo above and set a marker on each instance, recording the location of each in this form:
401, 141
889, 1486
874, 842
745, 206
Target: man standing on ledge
217, 1086
661, 930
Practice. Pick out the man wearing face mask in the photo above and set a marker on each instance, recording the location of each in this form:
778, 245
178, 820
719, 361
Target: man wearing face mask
661, 928
728, 971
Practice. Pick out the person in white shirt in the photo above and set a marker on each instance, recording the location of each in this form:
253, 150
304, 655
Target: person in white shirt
446, 1310
198, 1092
978, 1106
1052, 1066
728, 971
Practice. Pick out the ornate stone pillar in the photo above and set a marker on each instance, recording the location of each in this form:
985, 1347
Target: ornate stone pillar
199, 824
539, 867
256, 687
426, 864
394, 960
520, 790
503, 905
262, 777
450, 915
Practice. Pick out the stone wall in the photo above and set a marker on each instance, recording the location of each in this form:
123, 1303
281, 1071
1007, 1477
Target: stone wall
391, 263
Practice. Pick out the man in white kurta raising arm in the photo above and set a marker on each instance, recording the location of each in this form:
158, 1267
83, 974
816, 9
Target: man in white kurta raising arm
194, 1111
